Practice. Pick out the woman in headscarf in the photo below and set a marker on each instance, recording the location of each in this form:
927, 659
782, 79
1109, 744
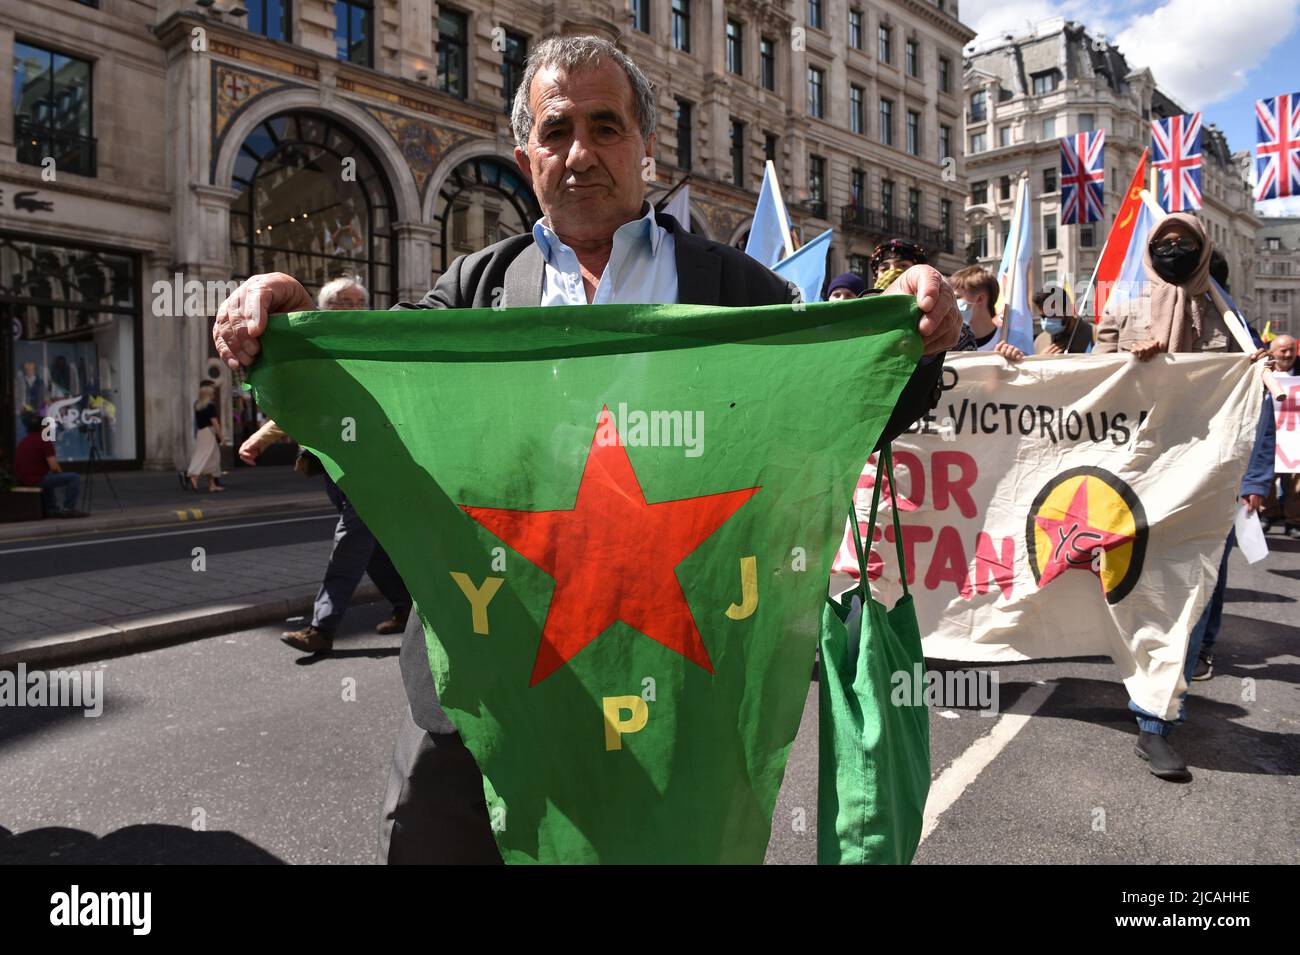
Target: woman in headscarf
207, 445
1172, 312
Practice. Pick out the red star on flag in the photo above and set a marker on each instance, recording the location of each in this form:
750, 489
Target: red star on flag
613, 556
1074, 539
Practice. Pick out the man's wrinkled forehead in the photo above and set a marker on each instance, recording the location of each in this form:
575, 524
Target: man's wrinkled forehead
601, 92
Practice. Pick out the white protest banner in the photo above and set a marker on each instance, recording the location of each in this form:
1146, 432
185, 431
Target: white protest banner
1287, 411
1067, 506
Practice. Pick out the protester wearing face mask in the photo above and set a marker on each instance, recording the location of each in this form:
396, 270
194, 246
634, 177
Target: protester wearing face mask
1063, 333
977, 297
892, 258
1172, 311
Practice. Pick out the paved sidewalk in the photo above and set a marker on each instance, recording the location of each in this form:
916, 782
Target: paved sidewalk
74, 617
146, 498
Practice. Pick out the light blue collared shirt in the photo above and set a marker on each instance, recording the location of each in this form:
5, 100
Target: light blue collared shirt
642, 267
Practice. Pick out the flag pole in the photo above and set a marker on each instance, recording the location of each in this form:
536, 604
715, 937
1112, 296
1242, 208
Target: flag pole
664, 199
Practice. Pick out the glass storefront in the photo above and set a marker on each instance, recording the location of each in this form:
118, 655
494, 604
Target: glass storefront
71, 318
483, 201
313, 203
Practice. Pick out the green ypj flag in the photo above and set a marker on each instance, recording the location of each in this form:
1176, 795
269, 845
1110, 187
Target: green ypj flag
617, 523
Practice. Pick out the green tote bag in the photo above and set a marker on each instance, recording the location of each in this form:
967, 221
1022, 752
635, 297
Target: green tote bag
874, 767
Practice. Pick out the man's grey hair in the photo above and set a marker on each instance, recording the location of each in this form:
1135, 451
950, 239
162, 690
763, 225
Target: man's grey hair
330, 290
573, 53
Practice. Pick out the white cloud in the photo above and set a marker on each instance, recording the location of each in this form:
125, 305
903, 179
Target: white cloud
992, 18
1197, 54
1279, 207
1200, 56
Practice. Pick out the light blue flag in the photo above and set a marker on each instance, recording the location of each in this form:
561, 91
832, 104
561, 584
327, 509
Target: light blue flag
769, 235
807, 267
1014, 276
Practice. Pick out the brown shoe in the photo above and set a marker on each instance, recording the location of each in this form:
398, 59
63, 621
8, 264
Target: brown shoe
396, 623
309, 640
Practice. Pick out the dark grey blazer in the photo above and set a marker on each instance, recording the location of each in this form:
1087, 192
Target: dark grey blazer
511, 273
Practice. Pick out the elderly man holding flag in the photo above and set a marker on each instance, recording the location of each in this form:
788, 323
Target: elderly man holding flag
584, 121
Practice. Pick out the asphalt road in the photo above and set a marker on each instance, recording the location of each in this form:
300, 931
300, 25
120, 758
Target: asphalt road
105, 550
239, 738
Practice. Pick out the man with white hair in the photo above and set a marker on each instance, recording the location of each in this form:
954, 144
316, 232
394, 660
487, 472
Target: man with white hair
356, 552
1284, 502
584, 120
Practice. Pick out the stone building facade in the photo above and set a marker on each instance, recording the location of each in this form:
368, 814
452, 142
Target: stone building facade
1277, 275
1025, 92
152, 152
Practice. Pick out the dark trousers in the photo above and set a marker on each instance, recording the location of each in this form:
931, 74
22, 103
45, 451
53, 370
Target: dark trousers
69, 482
1287, 504
434, 810
1213, 617
355, 553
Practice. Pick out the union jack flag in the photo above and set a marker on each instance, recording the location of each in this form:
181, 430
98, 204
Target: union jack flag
1176, 152
1277, 155
1083, 178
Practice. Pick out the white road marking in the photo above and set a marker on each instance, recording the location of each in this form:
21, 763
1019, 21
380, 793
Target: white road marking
954, 780
192, 529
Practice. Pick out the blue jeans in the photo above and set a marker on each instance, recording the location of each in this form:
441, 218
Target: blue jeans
1203, 635
70, 481
355, 553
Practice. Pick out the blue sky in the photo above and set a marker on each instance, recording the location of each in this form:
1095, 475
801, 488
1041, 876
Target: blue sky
1217, 63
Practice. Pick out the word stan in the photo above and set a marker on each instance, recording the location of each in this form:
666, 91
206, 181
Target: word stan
951, 476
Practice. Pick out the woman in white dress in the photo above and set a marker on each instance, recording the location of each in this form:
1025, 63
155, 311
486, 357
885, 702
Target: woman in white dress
207, 446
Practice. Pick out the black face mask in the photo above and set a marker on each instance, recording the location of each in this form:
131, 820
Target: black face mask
1175, 265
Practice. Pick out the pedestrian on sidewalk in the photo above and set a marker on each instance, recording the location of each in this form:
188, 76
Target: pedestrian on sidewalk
356, 552
36, 464
207, 443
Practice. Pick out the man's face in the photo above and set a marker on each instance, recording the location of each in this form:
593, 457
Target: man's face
29, 369
350, 299
585, 151
1283, 352
841, 293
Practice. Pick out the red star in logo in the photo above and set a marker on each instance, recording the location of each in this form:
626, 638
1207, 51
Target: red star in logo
613, 556
1074, 540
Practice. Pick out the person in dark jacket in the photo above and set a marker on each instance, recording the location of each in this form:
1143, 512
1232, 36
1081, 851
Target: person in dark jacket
1062, 333
584, 124
1255, 489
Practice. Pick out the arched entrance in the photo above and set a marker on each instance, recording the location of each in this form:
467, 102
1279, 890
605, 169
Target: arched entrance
313, 202
482, 201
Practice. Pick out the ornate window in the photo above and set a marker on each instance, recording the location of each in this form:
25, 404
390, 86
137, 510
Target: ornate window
313, 203
482, 201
